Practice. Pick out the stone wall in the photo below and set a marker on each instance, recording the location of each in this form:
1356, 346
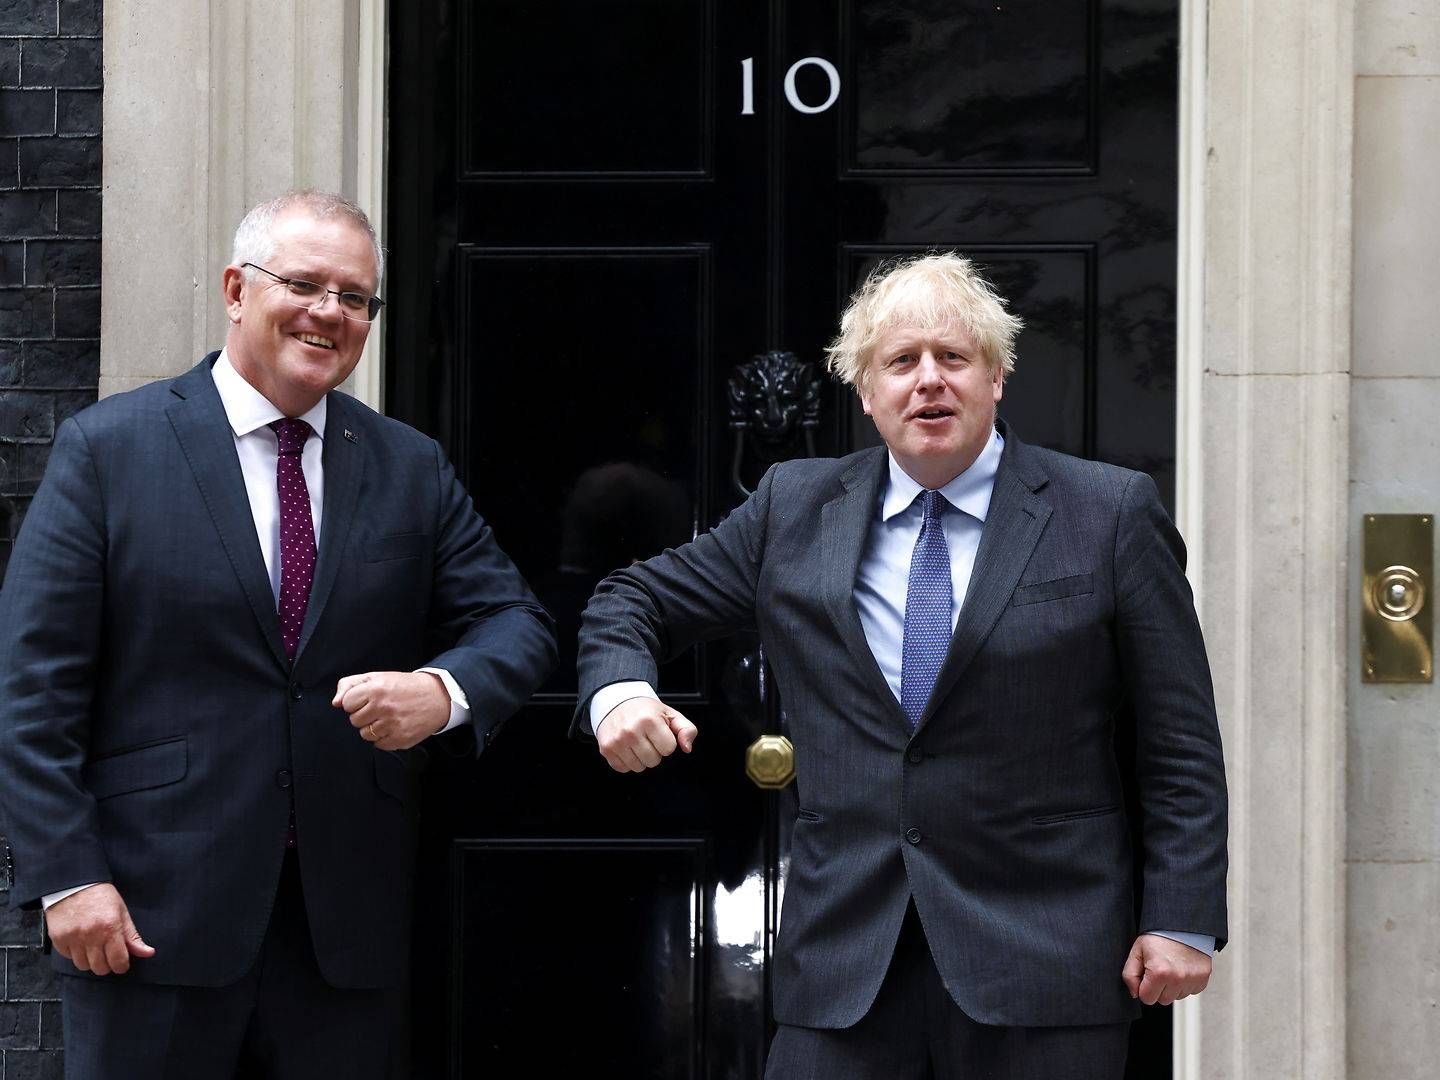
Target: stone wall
50, 118
1393, 845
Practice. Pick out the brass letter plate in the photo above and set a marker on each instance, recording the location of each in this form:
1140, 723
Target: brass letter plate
1396, 629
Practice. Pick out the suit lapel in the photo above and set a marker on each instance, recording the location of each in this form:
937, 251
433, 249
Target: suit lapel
1013, 526
199, 421
343, 458
844, 525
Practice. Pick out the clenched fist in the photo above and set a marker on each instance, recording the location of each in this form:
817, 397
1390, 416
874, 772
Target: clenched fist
639, 733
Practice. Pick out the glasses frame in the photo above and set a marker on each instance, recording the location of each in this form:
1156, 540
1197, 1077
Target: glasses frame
373, 304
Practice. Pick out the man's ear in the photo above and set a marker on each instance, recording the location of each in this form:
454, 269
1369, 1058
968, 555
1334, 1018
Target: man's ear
232, 286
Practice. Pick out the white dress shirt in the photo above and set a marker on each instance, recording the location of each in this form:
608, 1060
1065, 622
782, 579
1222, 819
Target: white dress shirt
250, 414
883, 581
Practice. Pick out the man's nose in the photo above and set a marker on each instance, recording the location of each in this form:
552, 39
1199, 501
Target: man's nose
321, 306
927, 371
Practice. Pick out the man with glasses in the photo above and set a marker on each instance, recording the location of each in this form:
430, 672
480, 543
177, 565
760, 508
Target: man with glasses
239, 603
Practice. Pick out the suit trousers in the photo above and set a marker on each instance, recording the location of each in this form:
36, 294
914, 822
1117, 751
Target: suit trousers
915, 1031
281, 1021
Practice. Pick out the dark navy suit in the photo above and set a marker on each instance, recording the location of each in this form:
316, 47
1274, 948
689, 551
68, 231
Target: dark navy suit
152, 732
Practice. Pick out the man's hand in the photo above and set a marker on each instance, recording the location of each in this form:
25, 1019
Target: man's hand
637, 734
1160, 969
92, 929
394, 709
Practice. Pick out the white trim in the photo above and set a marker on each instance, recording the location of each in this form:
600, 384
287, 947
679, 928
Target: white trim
368, 380
1189, 366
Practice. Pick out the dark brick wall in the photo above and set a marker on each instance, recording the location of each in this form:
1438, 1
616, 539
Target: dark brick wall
50, 79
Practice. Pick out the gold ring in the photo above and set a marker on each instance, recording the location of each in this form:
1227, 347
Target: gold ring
371, 729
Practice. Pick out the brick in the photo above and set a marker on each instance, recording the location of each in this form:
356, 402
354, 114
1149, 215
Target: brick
26, 416
78, 112
80, 16
31, 977
12, 263
27, 213
78, 213
51, 1032
10, 352
19, 1025
15, 509
9, 63
62, 262
29, 112
77, 313
21, 17
24, 469
26, 313
34, 1065
70, 402
60, 62
69, 364
59, 162
9, 170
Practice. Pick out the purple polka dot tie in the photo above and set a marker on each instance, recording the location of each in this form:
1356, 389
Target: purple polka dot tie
928, 595
297, 533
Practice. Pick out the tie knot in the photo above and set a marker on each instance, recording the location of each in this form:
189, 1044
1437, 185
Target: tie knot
933, 502
292, 433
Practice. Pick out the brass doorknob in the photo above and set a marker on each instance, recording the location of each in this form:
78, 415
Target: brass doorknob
770, 762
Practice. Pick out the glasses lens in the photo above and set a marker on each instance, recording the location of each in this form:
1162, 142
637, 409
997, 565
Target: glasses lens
307, 291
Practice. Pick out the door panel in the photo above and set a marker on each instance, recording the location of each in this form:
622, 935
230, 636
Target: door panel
599, 209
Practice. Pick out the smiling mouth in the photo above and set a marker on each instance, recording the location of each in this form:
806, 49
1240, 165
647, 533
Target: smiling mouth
316, 339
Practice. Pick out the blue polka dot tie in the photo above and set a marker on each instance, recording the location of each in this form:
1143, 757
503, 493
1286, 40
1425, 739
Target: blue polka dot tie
297, 532
928, 596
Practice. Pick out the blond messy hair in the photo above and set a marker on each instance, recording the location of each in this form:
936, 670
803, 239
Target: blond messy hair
927, 292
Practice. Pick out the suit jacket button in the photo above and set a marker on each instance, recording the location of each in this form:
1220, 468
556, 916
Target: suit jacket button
282, 779
913, 835
296, 693
915, 755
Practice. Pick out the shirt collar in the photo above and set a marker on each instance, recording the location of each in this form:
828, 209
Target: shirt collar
970, 491
247, 409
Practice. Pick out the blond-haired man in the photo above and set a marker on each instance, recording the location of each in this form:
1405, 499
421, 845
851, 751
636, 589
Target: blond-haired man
957, 622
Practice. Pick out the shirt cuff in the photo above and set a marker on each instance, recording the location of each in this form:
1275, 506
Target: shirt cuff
459, 704
55, 897
607, 697
1204, 942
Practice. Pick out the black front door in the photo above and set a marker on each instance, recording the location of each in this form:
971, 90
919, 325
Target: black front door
599, 210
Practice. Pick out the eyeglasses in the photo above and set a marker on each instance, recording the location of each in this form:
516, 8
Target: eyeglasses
353, 305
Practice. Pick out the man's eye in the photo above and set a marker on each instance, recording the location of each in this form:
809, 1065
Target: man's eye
354, 301
305, 288
903, 358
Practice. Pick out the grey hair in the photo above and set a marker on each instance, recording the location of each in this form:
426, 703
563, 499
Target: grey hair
254, 242
925, 291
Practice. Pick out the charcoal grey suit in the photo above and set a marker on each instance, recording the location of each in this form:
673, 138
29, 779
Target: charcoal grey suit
1003, 814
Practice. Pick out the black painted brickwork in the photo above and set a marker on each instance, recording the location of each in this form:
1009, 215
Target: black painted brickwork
50, 81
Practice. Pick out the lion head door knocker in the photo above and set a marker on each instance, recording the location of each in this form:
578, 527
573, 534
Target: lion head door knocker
774, 406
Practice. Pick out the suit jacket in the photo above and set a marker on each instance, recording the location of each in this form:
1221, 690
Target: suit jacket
152, 732
1003, 815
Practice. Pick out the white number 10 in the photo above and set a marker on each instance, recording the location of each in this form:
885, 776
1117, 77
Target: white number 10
747, 85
